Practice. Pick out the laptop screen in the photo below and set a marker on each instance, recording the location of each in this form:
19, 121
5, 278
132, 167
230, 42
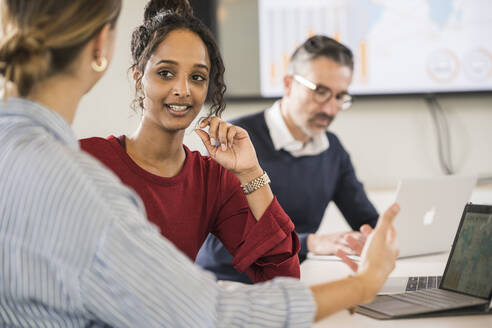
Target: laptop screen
469, 268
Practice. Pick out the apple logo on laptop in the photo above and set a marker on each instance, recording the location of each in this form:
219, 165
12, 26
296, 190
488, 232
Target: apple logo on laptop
429, 216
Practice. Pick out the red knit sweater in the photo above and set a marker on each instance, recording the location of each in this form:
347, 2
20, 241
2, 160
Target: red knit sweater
204, 197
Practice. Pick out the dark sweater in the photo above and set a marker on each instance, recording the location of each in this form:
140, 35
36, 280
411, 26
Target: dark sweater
303, 186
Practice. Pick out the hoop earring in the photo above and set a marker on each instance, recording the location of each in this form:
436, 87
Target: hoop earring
99, 67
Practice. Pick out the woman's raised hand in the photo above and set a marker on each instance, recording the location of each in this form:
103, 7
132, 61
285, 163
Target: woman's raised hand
230, 146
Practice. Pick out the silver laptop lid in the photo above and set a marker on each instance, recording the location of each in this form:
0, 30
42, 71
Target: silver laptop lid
430, 212
469, 267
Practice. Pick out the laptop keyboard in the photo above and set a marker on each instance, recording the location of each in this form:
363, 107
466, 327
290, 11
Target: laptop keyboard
417, 283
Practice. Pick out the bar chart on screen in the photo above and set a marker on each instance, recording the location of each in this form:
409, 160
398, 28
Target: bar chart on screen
399, 46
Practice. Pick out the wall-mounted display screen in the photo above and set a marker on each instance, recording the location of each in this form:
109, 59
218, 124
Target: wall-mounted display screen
400, 46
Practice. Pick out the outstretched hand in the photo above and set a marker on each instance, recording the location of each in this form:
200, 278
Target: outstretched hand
230, 146
379, 253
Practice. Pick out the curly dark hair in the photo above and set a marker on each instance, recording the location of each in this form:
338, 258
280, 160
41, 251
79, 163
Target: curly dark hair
162, 17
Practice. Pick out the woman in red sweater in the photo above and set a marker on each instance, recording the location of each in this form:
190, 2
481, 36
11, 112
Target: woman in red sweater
176, 65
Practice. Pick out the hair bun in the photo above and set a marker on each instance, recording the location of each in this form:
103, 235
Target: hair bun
155, 7
21, 43
20, 49
24, 58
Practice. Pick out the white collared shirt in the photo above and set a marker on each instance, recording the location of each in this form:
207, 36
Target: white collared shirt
283, 139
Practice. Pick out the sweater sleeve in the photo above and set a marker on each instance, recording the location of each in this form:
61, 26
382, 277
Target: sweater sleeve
263, 249
303, 241
351, 198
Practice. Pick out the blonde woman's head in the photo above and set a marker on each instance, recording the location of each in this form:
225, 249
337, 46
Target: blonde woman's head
42, 38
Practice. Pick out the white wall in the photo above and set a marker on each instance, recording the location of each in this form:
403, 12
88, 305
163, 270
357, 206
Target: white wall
395, 137
387, 138
105, 109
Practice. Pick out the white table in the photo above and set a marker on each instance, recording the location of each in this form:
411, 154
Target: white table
318, 271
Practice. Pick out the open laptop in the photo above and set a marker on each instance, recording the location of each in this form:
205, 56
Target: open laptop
466, 285
429, 215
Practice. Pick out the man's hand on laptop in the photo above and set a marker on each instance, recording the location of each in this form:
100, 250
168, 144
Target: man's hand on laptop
350, 242
378, 255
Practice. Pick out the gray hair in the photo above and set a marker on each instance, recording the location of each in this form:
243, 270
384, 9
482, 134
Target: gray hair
320, 46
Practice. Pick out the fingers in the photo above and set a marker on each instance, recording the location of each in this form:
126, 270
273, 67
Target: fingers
221, 133
231, 133
213, 123
366, 230
346, 249
391, 234
355, 242
347, 260
206, 140
386, 219
350, 243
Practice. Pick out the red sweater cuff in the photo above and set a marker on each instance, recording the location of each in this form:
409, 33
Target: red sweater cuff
271, 235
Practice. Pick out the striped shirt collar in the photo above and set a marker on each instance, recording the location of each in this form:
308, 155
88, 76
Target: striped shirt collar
47, 118
283, 139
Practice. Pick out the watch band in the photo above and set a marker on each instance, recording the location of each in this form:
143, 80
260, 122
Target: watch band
255, 184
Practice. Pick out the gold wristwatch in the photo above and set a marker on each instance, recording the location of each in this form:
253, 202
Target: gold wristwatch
255, 184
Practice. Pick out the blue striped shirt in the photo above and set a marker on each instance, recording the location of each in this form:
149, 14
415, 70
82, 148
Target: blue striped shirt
77, 250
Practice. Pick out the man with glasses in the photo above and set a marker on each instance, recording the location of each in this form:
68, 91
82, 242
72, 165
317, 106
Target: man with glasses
307, 165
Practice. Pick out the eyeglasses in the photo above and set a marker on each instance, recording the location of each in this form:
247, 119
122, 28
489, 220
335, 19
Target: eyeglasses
323, 94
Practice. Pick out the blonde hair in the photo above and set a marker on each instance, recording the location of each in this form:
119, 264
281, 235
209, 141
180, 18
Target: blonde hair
42, 38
